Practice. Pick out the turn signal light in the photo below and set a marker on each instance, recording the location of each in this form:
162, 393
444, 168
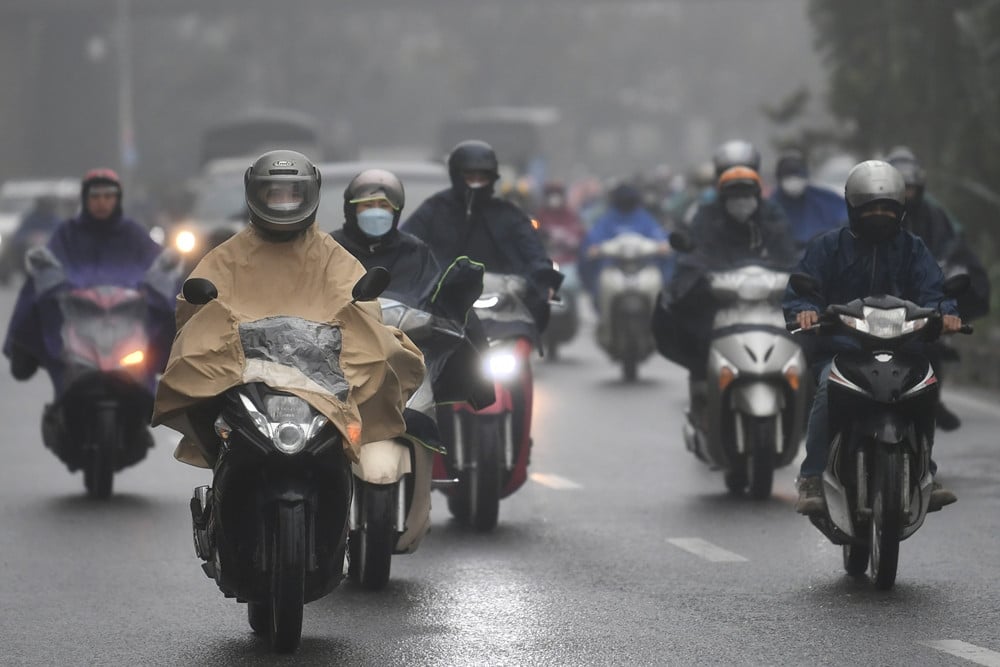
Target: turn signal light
133, 358
726, 377
792, 377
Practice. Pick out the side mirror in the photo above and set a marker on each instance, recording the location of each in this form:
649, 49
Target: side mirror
957, 285
199, 291
805, 286
681, 242
371, 285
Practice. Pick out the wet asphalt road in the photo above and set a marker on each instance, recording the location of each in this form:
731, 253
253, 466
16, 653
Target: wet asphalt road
581, 570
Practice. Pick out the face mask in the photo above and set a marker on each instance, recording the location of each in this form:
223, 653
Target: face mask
877, 228
794, 186
741, 208
375, 222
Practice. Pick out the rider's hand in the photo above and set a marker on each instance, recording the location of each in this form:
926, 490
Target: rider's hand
663, 249
950, 323
807, 318
593, 251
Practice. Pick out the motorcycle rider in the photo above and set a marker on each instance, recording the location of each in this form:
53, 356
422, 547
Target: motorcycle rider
559, 224
873, 255
100, 246
735, 228
283, 263
810, 210
929, 221
625, 214
373, 204
467, 219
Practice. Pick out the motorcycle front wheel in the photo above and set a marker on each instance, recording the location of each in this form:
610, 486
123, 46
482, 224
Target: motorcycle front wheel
287, 546
761, 444
887, 517
99, 468
477, 498
372, 544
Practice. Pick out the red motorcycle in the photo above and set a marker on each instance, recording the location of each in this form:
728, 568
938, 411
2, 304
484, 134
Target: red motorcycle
489, 449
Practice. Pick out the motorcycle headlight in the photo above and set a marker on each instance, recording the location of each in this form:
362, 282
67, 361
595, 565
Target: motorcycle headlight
487, 301
288, 421
882, 323
501, 364
185, 241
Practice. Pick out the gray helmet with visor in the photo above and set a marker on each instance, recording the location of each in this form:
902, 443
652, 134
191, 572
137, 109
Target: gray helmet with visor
282, 191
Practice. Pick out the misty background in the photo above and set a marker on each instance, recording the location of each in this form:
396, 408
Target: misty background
636, 83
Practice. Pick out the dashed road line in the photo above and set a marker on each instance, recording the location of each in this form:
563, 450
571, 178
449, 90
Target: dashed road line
706, 550
966, 651
554, 481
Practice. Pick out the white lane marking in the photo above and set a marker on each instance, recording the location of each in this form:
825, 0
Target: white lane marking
554, 481
706, 550
966, 651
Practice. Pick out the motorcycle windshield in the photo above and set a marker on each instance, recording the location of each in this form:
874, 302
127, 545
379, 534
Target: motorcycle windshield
104, 328
311, 348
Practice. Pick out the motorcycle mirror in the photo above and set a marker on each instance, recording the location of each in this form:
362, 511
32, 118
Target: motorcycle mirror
956, 285
805, 285
372, 284
681, 242
199, 291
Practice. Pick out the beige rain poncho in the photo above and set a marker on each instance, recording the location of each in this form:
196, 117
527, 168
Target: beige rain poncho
310, 277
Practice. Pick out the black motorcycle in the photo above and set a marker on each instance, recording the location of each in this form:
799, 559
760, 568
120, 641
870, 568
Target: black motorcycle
273, 526
882, 395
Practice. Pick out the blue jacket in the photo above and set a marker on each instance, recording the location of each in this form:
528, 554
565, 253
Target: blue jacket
848, 268
116, 252
612, 223
816, 212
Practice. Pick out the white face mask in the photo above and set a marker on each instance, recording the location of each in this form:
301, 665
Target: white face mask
741, 208
375, 222
794, 186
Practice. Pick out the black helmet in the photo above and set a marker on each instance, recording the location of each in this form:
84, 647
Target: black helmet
369, 185
735, 153
282, 191
874, 184
472, 155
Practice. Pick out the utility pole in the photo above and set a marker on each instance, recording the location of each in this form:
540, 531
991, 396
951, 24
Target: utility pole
127, 153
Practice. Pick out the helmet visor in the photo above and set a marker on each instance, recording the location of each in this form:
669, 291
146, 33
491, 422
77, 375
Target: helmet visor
283, 200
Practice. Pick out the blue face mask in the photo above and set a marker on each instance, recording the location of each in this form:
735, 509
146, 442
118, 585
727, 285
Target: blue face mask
375, 222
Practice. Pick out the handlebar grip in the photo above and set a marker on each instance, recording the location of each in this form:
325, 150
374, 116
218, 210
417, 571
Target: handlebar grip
791, 327
966, 329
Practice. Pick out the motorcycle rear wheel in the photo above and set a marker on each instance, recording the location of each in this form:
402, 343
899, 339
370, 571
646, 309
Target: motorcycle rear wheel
887, 518
287, 545
372, 545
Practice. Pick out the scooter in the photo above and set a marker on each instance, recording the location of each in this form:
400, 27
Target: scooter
753, 403
877, 481
565, 319
105, 379
272, 528
390, 508
489, 449
627, 289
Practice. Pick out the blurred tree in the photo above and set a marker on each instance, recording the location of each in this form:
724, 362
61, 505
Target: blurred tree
923, 73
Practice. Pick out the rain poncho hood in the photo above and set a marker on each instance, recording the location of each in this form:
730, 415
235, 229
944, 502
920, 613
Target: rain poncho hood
310, 278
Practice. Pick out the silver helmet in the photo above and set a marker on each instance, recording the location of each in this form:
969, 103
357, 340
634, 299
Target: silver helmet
735, 153
873, 184
282, 191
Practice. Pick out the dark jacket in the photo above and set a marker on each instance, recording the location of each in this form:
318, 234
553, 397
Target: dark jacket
495, 233
409, 260
766, 236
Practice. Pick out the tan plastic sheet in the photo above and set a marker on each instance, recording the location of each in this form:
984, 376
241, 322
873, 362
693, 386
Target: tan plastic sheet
310, 277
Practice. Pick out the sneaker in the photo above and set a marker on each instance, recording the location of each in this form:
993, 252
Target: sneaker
811, 499
940, 497
946, 419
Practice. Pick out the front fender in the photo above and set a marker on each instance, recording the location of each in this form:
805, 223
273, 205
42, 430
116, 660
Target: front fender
382, 462
757, 399
887, 427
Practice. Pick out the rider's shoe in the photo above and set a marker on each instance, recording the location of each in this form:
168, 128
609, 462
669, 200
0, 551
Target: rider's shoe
811, 500
940, 497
